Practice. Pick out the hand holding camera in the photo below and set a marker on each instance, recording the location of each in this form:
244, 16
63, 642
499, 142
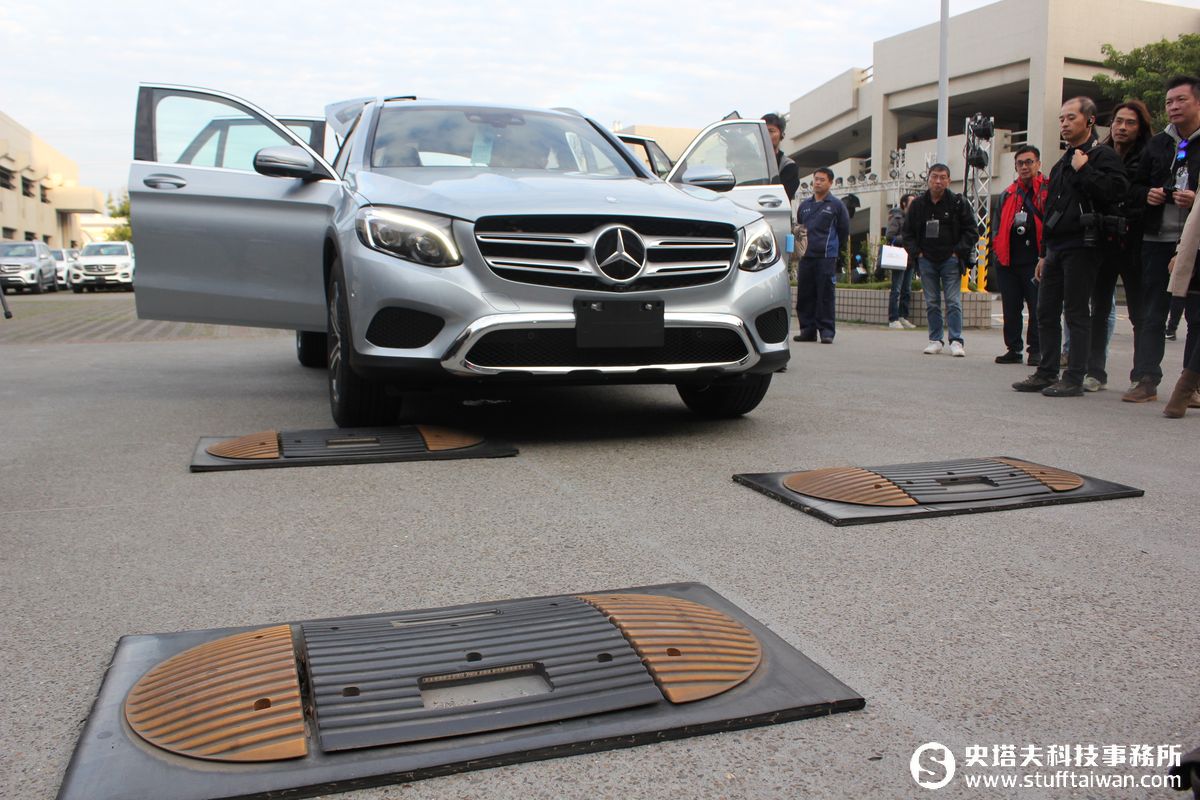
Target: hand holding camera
1184, 198
1157, 197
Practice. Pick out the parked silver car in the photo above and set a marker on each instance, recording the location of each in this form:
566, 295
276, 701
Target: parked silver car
64, 259
104, 265
452, 243
26, 266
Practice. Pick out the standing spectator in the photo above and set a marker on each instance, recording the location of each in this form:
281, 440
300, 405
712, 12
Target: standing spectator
1185, 282
1165, 185
1018, 241
901, 293
1128, 135
940, 232
1085, 184
789, 173
828, 225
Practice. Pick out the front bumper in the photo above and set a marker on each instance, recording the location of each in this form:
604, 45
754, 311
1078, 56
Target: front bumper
102, 279
474, 303
19, 279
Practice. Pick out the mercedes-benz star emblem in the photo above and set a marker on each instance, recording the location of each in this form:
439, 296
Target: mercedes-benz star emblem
620, 253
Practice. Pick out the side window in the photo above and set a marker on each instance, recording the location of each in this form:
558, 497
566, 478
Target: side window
210, 133
738, 148
662, 164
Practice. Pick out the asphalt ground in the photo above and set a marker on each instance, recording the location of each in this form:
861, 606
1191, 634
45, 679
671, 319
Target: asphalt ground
1064, 625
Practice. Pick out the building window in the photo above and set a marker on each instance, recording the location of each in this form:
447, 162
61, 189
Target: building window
6, 179
10, 233
46, 239
30, 236
45, 194
27, 187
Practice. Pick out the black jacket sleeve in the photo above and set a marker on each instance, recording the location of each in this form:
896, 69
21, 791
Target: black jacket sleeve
909, 230
968, 230
789, 176
1102, 179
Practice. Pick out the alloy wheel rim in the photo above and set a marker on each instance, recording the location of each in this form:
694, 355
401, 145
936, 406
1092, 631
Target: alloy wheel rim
335, 344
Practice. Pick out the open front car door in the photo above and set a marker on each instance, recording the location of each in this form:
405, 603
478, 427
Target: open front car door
229, 209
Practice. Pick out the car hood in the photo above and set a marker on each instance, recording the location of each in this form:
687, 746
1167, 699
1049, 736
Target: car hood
470, 194
103, 259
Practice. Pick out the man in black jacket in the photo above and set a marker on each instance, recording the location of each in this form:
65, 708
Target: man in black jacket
1165, 185
789, 172
1084, 186
940, 233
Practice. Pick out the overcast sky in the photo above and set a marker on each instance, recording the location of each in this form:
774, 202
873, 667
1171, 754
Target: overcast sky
681, 64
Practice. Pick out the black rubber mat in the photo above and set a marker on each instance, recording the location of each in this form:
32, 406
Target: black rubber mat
935, 489
338, 446
597, 696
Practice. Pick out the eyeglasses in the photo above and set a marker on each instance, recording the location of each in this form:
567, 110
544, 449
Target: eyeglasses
1026, 162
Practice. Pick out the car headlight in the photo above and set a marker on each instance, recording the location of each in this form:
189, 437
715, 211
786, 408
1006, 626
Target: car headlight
758, 250
423, 238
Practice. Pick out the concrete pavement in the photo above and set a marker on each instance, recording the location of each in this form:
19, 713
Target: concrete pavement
1046, 626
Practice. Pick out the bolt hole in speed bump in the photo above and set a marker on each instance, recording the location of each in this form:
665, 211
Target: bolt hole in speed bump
861, 495
337, 446
299, 709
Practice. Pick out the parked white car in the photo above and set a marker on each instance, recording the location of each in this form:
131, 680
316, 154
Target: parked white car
26, 266
103, 264
64, 259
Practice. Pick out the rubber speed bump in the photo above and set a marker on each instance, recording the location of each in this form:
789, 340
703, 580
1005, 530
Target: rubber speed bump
267, 449
860, 495
347, 703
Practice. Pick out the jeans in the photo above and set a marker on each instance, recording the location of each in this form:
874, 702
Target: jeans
1018, 291
815, 279
1117, 262
901, 293
1149, 343
1191, 345
1068, 279
1176, 313
936, 279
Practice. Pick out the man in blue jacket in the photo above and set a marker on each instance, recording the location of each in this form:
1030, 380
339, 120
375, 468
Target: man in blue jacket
827, 223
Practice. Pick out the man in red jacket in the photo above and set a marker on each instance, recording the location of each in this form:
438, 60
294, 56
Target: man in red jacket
1017, 242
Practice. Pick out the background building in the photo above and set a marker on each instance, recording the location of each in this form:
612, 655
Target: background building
40, 195
1014, 60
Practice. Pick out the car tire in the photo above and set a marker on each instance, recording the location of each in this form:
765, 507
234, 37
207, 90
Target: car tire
726, 400
37, 287
354, 401
311, 348
77, 289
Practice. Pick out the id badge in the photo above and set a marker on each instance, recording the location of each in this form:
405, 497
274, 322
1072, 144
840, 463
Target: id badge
933, 228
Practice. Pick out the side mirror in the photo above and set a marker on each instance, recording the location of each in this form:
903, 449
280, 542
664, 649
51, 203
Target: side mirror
714, 178
286, 161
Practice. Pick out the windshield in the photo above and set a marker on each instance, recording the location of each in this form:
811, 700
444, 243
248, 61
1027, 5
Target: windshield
58, 254
105, 250
493, 139
18, 250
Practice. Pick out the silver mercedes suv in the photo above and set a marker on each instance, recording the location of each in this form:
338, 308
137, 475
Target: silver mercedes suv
452, 243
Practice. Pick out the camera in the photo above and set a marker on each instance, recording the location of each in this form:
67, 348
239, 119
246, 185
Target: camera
1169, 194
1091, 224
1020, 222
1116, 227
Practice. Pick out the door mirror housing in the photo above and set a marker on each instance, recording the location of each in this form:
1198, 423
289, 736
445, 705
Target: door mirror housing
287, 161
714, 178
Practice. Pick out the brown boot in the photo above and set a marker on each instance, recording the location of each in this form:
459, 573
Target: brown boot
1195, 401
1185, 390
1143, 392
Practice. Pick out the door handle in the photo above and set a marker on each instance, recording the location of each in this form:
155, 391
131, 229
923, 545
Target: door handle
160, 181
769, 201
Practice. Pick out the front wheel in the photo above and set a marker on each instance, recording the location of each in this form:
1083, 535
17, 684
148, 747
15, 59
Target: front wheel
311, 348
726, 400
354, 401
77, 289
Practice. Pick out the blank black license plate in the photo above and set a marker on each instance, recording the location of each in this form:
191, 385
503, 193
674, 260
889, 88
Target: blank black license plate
619, 323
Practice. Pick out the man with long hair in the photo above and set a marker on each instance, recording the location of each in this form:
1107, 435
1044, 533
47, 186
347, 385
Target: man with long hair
1128, 134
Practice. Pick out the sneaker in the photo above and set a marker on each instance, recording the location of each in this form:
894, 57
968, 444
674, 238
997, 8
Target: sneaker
956, 349
932, 349
1063, 388
907, 325
896, 325
1034, 359
826, 340
1170, 336
1143, 392
1011, 357
1034, 383
1091, 384
804, 337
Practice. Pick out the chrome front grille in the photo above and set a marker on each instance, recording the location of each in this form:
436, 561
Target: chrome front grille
557, 250
11, 268
99, 269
